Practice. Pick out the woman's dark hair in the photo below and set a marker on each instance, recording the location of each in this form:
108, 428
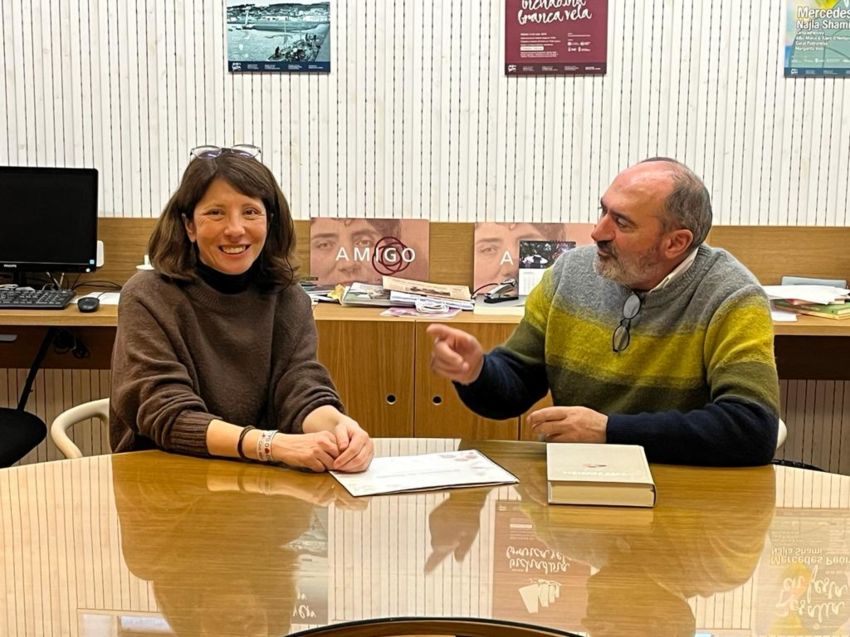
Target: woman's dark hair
172, 253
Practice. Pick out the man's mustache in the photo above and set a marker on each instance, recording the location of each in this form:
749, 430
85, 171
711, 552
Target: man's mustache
607, 248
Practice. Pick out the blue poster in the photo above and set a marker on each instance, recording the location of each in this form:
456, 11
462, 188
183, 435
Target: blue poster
817, 38
282, 37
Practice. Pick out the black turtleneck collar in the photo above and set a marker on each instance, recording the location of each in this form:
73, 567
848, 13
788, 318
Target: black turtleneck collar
225, 283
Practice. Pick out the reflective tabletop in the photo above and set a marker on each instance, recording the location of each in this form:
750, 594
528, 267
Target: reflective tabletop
156, 544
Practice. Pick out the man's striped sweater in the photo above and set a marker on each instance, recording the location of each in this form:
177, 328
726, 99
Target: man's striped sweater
696, 385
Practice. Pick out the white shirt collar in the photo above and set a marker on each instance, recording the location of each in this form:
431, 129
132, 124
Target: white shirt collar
679, 269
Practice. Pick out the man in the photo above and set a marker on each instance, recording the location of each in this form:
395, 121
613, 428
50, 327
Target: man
649, 337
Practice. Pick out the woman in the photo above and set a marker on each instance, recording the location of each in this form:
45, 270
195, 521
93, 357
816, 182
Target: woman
215, 353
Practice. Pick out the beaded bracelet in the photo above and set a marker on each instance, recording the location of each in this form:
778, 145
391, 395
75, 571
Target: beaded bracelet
264, 445
242, 434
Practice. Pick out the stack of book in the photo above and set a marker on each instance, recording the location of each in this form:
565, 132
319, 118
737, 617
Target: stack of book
814, 300
395, 292
823, 310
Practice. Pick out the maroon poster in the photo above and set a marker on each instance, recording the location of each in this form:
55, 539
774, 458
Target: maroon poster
556, 37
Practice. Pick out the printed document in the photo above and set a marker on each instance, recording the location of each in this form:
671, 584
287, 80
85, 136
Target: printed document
449, 469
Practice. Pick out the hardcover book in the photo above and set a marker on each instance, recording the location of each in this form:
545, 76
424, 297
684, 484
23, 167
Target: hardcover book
599, 474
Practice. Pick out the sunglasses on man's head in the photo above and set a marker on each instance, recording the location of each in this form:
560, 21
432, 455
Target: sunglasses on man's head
211, 152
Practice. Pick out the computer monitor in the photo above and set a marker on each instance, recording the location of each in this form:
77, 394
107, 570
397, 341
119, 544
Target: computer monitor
48, 220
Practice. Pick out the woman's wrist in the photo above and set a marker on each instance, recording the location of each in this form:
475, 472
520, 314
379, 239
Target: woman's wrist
253, 445
279, 448
240, 443
264, 445
322, 418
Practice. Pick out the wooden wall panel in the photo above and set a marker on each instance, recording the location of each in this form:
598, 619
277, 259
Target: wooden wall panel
769, 252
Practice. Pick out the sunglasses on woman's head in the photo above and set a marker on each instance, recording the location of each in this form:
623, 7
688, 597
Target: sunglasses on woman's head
211, 152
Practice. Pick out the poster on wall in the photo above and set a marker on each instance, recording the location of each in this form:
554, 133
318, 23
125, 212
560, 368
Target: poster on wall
556, 37
496, 246
817, 38
278, 37
361, 250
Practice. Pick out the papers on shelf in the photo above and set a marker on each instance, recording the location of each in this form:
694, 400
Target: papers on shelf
413, 312
781, 316
365, 294
426, 288
405, 299
450, 469
811, 293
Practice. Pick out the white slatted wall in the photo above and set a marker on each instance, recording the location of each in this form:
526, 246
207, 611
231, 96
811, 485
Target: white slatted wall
417, 118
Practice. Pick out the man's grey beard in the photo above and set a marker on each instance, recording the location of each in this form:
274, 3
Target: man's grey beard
610, 270
616, 272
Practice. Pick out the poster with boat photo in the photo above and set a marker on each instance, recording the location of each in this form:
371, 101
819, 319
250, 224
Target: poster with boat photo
285, 37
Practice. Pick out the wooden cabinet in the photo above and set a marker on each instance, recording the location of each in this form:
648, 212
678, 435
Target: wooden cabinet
371, 363
438, 412
381, 367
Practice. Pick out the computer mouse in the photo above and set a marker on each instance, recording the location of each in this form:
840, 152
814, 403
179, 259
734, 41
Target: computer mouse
88, 304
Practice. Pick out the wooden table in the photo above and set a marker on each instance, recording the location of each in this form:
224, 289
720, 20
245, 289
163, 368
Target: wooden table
134, 543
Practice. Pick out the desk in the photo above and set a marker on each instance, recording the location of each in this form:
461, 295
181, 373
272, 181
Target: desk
96, 329
107, 317
136, 542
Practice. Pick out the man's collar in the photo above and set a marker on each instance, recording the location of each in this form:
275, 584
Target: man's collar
679, 269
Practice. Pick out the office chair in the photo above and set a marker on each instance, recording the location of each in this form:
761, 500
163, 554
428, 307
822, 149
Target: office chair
781, 435
437, 627
20, 431
58, 430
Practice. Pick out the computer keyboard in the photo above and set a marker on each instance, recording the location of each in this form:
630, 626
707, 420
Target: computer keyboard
29, 299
